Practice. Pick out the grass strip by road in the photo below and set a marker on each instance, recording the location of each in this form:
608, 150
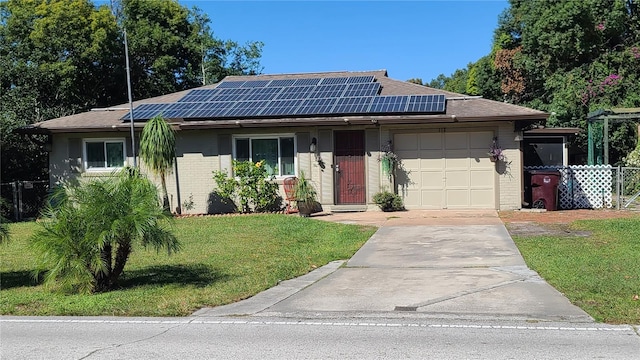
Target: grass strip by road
223, 259
600, 273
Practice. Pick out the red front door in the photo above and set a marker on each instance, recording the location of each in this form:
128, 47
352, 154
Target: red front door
349, 167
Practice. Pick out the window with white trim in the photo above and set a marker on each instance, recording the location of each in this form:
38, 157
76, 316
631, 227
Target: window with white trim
104, 154
277, 152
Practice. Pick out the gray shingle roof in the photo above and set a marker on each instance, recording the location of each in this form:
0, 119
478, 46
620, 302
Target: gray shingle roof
459, 107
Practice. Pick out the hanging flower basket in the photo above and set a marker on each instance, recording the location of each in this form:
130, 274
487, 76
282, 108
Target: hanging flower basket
387, 165
495, 152
388, 160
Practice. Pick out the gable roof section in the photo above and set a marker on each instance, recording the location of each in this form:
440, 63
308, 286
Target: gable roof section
459, 108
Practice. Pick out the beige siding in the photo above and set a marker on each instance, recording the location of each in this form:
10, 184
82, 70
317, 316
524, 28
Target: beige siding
429, 153
510, 172
197, 158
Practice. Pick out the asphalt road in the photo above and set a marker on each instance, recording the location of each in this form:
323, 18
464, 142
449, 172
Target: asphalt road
272, 338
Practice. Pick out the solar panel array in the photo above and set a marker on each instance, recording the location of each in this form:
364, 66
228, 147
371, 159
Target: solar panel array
291, 97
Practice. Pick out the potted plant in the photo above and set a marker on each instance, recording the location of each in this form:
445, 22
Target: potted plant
306, 197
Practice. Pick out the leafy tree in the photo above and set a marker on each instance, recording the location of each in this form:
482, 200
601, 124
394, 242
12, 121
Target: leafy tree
439, 82
566, 57
158, 151
89, 230
60, 57
415, 81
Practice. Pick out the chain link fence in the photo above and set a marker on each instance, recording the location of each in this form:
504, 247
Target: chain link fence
627, 188
23, 199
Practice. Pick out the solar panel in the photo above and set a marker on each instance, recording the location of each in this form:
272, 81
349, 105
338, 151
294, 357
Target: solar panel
146, 111
384, 104
295, 92
360, 79
328, 91
362, 89
334, 81
231, 94
316, 106
281, 107
353, 105
230, 84
196, 95
255, 83
212, 109
289, 97
307, 82
266, 93
282, 83
180, 110
246, 108
426, 103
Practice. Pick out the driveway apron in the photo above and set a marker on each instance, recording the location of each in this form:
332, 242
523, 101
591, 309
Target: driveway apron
461, 265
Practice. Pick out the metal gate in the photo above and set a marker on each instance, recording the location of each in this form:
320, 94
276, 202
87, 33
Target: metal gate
628, 188
23, 199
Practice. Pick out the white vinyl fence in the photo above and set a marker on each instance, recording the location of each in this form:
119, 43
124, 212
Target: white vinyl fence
596, 186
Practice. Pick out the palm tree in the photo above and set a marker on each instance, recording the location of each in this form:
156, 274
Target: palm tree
158, 151
89, 229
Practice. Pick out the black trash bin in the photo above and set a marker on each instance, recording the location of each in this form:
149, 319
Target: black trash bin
544, 189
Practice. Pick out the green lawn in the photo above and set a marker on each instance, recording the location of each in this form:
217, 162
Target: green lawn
599, 273
223, 259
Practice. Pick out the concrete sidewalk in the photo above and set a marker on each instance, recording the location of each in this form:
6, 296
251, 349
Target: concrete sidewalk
419, 263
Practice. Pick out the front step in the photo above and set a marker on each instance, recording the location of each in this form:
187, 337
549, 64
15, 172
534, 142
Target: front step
348, 208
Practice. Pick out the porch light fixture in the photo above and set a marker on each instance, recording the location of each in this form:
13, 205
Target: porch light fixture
313, 147
519, 136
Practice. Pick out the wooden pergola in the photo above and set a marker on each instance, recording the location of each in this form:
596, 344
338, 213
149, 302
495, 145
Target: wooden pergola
606, 115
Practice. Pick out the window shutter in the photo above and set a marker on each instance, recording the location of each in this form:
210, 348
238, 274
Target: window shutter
372, 140
303, 141
224, 144
75, 154
127, 145
324, 140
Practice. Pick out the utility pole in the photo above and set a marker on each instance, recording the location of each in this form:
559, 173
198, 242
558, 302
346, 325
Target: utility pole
115, 10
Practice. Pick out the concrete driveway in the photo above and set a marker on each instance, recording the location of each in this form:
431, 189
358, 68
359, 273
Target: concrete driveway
441, 264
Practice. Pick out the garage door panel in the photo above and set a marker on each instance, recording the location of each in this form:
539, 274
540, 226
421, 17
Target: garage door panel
481, 179
431, 199
480, 140
455, 141
431, 179
410, 159
449, 170
457, 198
405, 142
481, 162
431, 141
432, 164
482, 198
457, 179
431, 154
457, 163
412, 198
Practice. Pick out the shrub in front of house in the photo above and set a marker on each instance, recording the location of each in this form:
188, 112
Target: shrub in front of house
388, 201
251, 186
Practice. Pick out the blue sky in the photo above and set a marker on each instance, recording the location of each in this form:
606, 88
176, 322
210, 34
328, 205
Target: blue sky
410, 39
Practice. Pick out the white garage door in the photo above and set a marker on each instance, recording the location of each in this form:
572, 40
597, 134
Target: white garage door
446, 170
